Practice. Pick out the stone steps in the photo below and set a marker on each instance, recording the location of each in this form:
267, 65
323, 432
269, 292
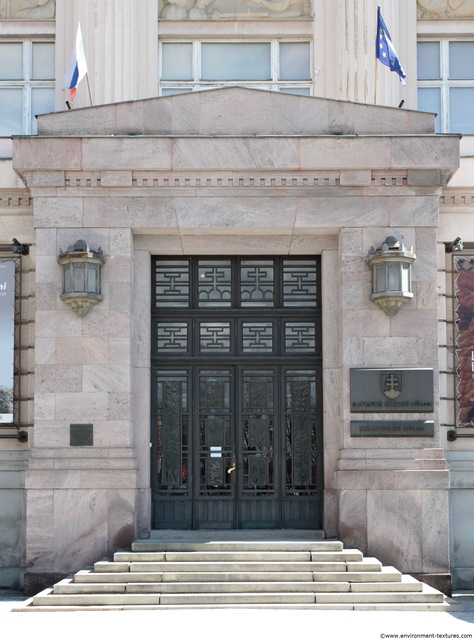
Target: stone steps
68, 586
194, 570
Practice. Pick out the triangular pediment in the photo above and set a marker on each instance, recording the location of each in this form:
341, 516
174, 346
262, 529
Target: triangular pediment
236, 111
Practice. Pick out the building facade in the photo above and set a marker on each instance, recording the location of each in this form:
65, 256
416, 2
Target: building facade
244, 363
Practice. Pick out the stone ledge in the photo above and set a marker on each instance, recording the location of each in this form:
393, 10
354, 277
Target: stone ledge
440, 581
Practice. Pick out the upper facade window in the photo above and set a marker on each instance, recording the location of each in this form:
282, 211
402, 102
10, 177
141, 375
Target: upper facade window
26, 84
446, 83
275, 65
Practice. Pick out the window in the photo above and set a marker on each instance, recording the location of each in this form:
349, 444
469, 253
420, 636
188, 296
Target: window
275, 65
26, 84
446, 83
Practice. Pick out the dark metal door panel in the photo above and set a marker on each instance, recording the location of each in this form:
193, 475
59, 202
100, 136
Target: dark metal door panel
215, 449
258, 449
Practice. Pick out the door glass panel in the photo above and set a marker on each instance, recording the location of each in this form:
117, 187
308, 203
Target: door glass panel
215, 433
258, 433
214, 283
214, 337
172, 337
257, 283
300, 337
257, 337
300, 432
172, 433
299, 283
172, 288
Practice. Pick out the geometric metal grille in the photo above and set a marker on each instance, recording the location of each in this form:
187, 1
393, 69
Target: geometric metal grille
172, 283
214, 283
257, 337
214, 337
257, 283
236, 283
300, 278
172, 337
300, 337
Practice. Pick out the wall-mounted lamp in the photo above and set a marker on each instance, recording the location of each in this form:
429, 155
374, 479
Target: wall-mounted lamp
81, 276
391, 275
455, 245
16, 247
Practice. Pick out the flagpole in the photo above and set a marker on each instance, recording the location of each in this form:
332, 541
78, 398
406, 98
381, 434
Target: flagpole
376, 52
89, 88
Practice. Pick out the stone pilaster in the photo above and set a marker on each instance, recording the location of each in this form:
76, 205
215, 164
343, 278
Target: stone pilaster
120, 40
345, 67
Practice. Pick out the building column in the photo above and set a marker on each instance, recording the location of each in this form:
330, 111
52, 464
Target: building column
345, 66
121, 45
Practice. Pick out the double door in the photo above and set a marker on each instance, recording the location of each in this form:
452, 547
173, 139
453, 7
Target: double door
237, 402
238, 447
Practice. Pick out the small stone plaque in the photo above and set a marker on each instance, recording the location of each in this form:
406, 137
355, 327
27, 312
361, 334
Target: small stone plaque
392, 428
392, 390
81, 435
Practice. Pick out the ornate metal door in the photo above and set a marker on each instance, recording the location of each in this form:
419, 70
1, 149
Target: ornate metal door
237, 412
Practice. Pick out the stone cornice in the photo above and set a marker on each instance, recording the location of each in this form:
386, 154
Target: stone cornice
284, 180
12, 198
457, 197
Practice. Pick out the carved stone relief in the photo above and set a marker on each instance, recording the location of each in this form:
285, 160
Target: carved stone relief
442, 9
234, 9
27, 9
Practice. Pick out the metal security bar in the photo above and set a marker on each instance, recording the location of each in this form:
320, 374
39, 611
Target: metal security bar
463, 319
17, 249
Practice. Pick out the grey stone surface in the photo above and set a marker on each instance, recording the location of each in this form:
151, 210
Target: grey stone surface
206, 111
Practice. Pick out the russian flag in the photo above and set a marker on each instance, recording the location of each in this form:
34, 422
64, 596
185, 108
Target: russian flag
77, 67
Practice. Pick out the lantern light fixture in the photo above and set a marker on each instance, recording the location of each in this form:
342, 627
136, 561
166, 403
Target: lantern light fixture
81, 276
391, 275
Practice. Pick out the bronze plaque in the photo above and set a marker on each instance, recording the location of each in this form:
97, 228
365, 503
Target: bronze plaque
392, 428
81, 435
392, 390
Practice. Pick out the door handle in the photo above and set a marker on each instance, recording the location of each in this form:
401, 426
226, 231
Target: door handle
234, 465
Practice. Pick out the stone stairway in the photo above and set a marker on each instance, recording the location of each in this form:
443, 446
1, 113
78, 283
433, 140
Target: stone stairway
212, 570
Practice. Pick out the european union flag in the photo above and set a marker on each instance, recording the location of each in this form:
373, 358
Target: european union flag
385, 51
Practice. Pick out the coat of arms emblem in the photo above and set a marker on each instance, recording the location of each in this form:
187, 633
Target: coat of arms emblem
391, 384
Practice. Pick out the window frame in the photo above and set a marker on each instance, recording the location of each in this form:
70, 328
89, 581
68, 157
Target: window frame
197, 84
27, 84
444, 83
